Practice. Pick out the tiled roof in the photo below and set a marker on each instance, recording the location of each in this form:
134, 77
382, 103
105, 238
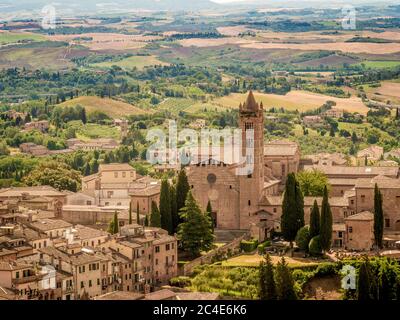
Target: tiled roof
345, 170
365, 215
383, 182
50, 224
32, 191
115, 167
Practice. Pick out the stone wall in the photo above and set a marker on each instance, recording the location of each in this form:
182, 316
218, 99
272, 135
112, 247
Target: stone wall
208, 258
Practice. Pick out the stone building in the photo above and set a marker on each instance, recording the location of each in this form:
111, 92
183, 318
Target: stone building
235, 190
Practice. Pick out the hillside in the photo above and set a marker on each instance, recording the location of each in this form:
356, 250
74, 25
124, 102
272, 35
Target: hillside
112, 108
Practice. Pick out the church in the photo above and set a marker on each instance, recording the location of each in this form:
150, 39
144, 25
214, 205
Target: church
238, 200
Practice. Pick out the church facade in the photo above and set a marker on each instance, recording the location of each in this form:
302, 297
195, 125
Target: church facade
237, 199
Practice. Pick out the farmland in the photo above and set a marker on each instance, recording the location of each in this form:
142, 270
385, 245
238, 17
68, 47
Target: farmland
296, 100
7, 38
111, 107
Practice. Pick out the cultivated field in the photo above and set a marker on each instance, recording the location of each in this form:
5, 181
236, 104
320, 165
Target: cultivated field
112, 108
295, 100
106, 41
19, 37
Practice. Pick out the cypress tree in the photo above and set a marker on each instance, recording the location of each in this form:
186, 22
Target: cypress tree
146, 221
326, 223
174, 209
209, 213
155, 218
292, 218
130, 213
114, 225
378, 217
267, 281
314, 221
364, 282
165, 207
182, 189
284, 282
194, 232
137, 213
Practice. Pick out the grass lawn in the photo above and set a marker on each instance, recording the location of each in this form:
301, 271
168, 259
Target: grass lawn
15, 37
380, 64
94, 131
139, 62
113, 108
255, 259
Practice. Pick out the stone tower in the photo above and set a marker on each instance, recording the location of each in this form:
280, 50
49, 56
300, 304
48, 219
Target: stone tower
251, 117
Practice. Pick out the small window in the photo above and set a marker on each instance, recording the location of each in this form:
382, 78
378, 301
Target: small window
249, 202
350, 229
387, 223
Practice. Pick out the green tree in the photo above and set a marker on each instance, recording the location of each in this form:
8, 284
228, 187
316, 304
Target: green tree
267, 286
314, 247
165, 207
312, 183
292, 218
155, 217
209, 213
284, 282
138, 213
378, 217
130, 213
113, 227
146, 221
303, 238
174, 209
182, 189
326, 223
314, 220
194, 232
364, 281
56, 174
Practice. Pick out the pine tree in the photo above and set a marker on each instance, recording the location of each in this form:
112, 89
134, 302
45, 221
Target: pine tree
284, 282
130, 212
378, 217
137, 213
165, 207
194, 232
209, 213
292, 218
182, 189
174, 209
314, 221
267, 281
326, 223
155, 217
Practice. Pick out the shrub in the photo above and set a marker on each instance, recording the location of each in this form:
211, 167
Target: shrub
326, 269
261, 247
248, 246
315, 246
180, 282
303, 238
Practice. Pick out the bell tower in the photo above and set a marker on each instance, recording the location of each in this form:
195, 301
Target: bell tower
251, 123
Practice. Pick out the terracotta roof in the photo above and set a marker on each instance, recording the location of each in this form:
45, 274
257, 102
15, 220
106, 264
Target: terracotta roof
383, 183
250, 105
120, 295
339, 227
12, 265
280, 148
342, 182
163, 294
83, 232
32, 191
50, 224
365, 215
361, 171
197, 296
115, 167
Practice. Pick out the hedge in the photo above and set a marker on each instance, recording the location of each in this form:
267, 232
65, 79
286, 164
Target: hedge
261, 247
248, 246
